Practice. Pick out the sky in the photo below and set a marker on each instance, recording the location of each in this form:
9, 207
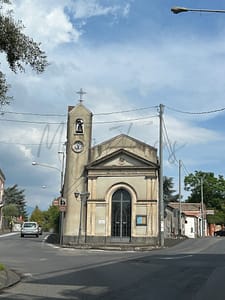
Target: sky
129, 56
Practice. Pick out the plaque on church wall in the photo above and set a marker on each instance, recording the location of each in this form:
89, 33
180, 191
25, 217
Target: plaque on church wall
101, 221
141, 220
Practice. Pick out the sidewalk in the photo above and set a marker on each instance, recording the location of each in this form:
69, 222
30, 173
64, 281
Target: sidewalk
8, 277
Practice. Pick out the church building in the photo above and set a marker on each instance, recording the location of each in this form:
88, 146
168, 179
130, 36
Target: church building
110, 189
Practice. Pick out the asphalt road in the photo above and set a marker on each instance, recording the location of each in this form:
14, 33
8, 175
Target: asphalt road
192, 270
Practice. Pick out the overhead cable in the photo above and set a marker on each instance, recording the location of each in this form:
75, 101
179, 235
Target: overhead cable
2, 112
197, 113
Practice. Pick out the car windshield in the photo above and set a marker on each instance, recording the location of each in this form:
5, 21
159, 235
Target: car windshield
29, 225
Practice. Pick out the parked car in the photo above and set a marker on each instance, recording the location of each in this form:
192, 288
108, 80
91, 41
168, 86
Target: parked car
30, 228
219, 233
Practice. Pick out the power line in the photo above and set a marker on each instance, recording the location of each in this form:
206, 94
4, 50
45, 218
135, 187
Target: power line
62, 123
172, 156
114, 112
32, 122
24, 144
64, 115
127, 120
185, 169
126, 111
31, 114
197, 113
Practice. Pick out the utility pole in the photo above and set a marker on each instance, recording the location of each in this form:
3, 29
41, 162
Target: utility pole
202, 208
61, 193
161, 200
180, 208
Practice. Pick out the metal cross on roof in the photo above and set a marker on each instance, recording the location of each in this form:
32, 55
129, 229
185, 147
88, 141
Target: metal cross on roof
81, 93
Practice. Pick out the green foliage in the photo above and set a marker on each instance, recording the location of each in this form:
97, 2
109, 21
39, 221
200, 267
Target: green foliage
10, 213
20, 50
37, 216
217, 218
48, 220
12, 195
213, 189
2, 267
52, 215
11, 210
168, 191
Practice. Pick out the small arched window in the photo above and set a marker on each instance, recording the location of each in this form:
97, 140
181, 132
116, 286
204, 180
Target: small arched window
79, 126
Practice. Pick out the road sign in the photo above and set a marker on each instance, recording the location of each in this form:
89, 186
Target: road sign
55, 202
62, 208
62, 202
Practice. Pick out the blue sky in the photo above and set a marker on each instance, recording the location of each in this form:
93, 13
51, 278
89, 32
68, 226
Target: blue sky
129, 56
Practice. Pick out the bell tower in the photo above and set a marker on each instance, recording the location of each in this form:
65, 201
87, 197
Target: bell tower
79, 135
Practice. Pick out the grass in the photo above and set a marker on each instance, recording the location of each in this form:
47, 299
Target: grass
2, 267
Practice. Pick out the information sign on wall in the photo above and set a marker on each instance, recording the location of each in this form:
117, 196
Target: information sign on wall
141, 220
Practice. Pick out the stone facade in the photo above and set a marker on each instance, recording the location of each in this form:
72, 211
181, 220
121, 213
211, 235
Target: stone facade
111, 189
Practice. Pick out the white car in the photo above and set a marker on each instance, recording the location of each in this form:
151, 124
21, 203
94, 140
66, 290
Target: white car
30, 228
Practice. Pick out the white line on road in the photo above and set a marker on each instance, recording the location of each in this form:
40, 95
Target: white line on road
8, 234
176, 257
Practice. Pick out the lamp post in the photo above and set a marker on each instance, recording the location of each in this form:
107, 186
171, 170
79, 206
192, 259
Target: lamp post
34, 163
83, 199
178, 9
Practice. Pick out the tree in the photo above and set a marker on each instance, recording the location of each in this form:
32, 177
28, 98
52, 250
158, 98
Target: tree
213, 189
213, 193
37, 216
52, 217
20, 50
12, 195
10, 212
168, 191
48, 220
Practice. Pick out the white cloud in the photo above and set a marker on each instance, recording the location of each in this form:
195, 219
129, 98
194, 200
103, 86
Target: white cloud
48, 23
186, 74
26, 152
45, 22
92, 8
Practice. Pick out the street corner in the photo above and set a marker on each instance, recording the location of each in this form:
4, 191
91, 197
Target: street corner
8, 278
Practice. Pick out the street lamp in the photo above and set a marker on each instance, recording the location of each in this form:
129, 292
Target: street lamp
178, 9
34, 163
83, 198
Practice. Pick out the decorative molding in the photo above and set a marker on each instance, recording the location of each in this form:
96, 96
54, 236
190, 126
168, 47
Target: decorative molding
144, 200
96, 200
151, 177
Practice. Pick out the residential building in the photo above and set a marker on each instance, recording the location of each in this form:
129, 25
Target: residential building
194, 221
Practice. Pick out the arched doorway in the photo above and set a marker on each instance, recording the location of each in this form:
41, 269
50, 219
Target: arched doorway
121, 215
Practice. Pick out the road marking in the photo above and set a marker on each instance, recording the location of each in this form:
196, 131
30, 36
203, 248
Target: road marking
176, 257
8, 234
43, 259
27, 275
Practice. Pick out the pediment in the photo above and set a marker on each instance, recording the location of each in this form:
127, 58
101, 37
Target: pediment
127, 143
121, 159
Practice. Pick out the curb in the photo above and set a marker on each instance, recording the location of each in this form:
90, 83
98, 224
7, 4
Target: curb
8, 278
